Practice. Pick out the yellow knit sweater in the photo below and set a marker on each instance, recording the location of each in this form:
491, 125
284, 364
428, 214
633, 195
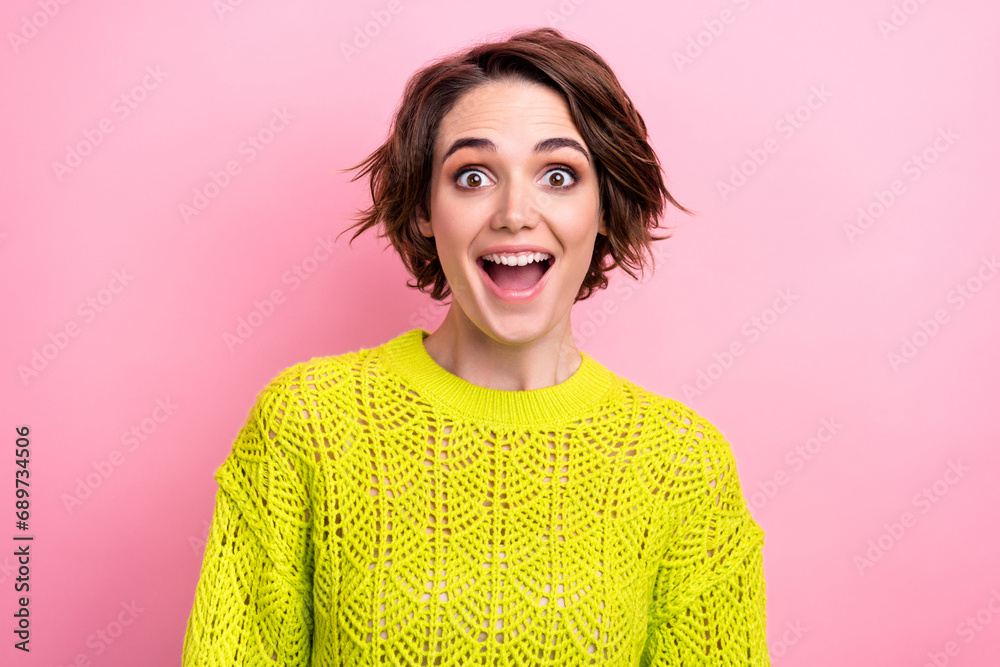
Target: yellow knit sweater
378, 510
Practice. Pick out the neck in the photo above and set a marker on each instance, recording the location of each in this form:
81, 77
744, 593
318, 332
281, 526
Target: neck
464, 350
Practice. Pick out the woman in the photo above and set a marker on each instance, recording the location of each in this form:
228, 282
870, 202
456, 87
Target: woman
486, 494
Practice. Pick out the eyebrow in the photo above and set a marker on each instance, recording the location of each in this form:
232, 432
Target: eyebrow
543, 146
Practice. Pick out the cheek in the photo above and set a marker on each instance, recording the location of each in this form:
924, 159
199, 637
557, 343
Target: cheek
583, 256
447, 256
452, 247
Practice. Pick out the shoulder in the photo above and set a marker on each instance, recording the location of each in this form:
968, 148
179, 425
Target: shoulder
318, 378
306, 399
682, 450
668, 420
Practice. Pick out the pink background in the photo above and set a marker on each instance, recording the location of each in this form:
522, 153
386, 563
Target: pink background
883, 429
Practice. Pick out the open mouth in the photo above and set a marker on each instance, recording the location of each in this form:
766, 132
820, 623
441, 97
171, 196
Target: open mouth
516, 273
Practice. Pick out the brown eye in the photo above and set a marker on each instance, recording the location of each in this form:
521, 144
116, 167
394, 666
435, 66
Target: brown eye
471, 179
558, 178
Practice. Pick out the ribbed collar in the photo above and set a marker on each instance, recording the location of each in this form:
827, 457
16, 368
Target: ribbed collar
534, 407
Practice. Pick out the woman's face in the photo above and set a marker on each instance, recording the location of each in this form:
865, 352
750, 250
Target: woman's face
512, 175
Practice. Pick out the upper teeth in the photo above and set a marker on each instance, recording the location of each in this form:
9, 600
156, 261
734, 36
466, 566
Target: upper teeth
517, 260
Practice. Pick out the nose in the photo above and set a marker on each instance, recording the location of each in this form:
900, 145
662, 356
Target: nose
520, 205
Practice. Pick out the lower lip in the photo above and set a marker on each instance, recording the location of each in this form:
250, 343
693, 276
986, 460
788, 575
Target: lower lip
514, 296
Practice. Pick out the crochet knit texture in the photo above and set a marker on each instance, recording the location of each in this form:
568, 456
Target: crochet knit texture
376, 509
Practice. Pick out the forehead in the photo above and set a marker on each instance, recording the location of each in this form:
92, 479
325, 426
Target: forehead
507, 108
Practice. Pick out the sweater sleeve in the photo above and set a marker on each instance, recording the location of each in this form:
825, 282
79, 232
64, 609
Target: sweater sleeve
253, 602
708, 603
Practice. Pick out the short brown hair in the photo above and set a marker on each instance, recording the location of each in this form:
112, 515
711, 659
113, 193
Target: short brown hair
632, 192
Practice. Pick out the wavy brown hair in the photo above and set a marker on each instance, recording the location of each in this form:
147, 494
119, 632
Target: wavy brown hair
632, 192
